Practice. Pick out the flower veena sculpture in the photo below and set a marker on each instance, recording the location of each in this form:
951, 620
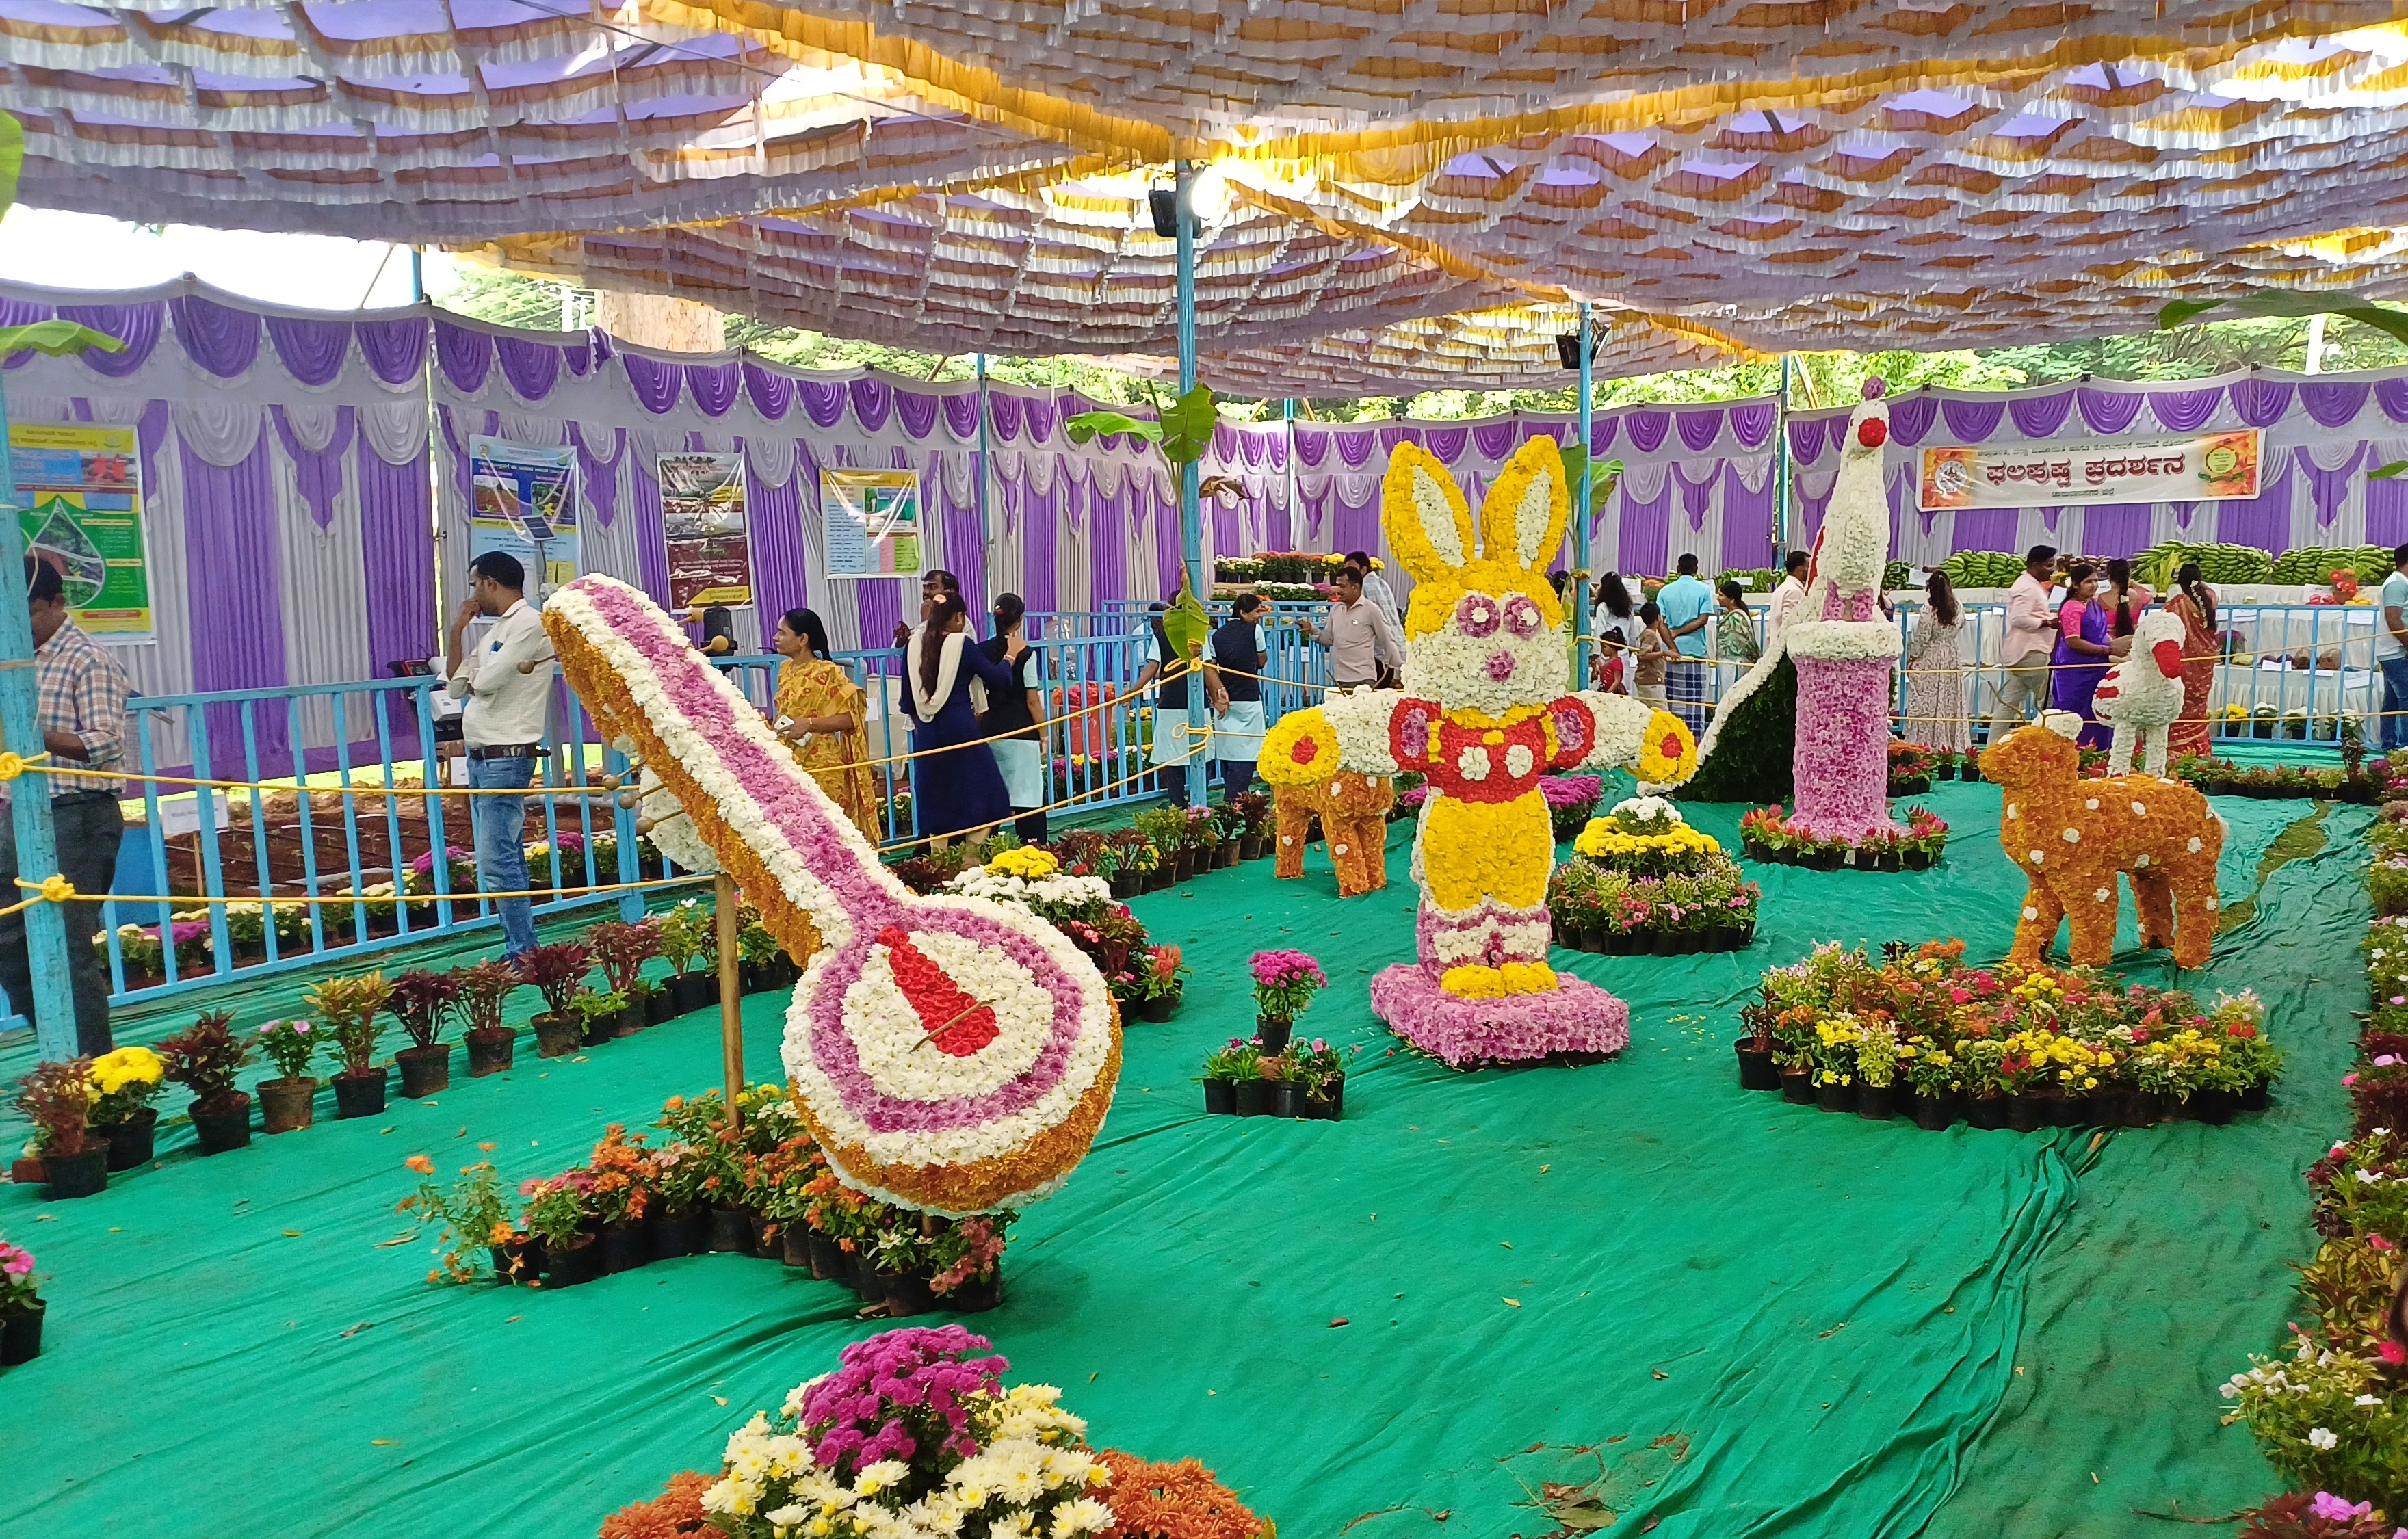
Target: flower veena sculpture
952, 1054
1485, 710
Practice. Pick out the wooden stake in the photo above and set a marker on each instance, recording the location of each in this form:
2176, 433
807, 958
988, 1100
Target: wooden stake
731, 997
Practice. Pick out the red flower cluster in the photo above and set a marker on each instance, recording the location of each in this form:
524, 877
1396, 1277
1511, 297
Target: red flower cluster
957, 1023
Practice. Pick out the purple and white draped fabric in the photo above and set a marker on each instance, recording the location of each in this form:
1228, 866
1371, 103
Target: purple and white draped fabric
2321, 434
283, 460
1326, 496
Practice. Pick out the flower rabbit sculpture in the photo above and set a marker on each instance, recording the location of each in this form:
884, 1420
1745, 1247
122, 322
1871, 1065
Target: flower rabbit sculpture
1485, 710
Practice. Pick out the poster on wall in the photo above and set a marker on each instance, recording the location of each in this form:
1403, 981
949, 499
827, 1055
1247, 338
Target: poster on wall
79, 508
702, 517
872, 523
2198, 467
522, 501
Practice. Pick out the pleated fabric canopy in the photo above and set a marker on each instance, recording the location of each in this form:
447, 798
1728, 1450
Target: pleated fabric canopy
1407, 194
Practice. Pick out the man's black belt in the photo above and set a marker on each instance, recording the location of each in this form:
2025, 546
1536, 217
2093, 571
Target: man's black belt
478, 753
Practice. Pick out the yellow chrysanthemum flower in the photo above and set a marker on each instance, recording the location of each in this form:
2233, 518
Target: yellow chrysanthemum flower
1666, 753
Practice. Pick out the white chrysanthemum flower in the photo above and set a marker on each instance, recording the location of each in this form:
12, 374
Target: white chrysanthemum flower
1084, 1516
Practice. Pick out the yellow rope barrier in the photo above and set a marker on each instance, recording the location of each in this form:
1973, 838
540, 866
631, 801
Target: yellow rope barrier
59, 889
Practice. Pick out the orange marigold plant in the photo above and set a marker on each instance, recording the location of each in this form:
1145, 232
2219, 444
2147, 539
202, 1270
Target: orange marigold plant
674, 1513
1177, 1501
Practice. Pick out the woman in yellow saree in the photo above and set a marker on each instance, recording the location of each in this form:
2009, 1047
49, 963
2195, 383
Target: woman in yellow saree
821, 709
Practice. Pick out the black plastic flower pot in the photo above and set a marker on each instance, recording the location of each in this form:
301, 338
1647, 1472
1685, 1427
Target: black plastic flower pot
827, 1260
660, 1003
490, 1050
694, 991
1272, 1035
1931, 1113
218, 1128
907, 1293
1797, 1087
2143, 1109
2255, 1098
1987, 1112
1127, 885
731, 1230
82, 1174
1755, 1067
20, 1334
974, 1297
626, 1246
1253, 1097
567, 1267
1875, 1103
631, 1019
287, 1105
1833, 1096
358, 1095
2025, 1112
1220, 1097
2214, 1107
1331, 1108
795, 1247
132, 1141
1161, 1008
557, 1036
424, 1071
1287, 1097
680, 1233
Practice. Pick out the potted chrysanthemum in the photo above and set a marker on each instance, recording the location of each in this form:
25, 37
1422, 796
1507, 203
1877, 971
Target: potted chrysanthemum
123, 1084
1284, 984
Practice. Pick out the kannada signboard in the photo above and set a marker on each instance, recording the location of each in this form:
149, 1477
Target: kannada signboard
79, 508
871, 519
702, 518
2200, 467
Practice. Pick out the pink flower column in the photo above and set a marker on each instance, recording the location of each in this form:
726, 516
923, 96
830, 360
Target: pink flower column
1841, 760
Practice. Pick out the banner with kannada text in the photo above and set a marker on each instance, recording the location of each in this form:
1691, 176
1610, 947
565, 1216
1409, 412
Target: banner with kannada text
2199, 468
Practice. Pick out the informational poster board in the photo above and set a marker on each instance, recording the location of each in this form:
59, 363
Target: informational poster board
523, 503
703, 521
2199, 468
80, 507
872, 523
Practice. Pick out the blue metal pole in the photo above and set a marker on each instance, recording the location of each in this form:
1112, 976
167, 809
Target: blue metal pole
986, 536
1781, 470
53, 1006
1580, 523
1191, 520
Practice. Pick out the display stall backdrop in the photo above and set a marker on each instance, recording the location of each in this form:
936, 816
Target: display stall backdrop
284, 459
2319, 436
1066, 526
1697, 479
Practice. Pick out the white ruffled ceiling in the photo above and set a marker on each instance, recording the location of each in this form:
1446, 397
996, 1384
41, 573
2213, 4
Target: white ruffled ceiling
1414, 193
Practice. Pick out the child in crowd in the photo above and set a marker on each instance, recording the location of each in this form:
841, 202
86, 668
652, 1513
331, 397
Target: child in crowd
1655, 650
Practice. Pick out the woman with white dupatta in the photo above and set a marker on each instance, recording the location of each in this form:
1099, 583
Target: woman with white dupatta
956, 787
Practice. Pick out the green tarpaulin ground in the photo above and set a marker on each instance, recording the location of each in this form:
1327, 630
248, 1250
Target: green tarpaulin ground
1746, 1318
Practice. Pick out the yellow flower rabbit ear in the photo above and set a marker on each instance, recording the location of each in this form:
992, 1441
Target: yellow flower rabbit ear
1427, 521
1523, 519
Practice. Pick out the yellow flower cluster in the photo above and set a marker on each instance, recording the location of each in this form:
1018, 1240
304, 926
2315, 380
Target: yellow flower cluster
1668, 754
112, 1072
1604, 837
2071, 1063
1514, 978
1028, 864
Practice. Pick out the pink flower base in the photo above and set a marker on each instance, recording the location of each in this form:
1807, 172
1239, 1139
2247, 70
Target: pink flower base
1576, 1018
1841, 760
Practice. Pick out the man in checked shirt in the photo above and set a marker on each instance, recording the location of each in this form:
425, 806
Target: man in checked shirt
82, 714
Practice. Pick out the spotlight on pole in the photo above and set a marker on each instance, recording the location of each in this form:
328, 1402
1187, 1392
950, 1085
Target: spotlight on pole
1568, 345
1164, 204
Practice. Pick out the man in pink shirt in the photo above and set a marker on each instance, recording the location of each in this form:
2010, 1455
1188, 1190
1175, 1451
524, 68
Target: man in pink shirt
2029, 641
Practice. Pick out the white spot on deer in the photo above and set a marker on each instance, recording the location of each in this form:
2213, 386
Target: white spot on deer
2139, 859
1337, 849
2037, 857
2103, 895
2210, 906
2014, 811
2091, 805
2139, 810
2030, 913
2193, 845
2071, 836
1287, 838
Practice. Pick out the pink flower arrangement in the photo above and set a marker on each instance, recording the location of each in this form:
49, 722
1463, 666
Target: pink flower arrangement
896, 1393
16, 1277
1574, 1017
1284, 983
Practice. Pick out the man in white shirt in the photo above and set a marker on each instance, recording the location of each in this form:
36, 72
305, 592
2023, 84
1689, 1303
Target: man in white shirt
1787, 597
2392, 653
2030, 621
1375, 587
504, 726
1364, 640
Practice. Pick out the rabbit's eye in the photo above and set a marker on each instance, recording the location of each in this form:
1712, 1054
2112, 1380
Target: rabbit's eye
1476, 615
1522, 617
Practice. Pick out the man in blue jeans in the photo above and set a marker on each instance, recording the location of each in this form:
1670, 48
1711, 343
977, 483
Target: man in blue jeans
503, 723
2391, 653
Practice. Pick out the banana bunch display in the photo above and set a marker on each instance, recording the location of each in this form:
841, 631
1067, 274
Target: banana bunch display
1982, 569
1897, 574
2156, 567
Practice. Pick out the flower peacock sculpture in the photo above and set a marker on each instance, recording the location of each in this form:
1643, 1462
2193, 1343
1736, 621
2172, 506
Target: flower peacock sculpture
1485, 710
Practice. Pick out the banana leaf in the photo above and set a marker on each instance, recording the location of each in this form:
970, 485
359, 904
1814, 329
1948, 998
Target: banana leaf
1087, 426
1184, 623
55, 337
2289, 305
1600, 478
1184, 433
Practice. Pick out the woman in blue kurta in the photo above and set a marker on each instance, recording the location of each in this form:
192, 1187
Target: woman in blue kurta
958, 790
